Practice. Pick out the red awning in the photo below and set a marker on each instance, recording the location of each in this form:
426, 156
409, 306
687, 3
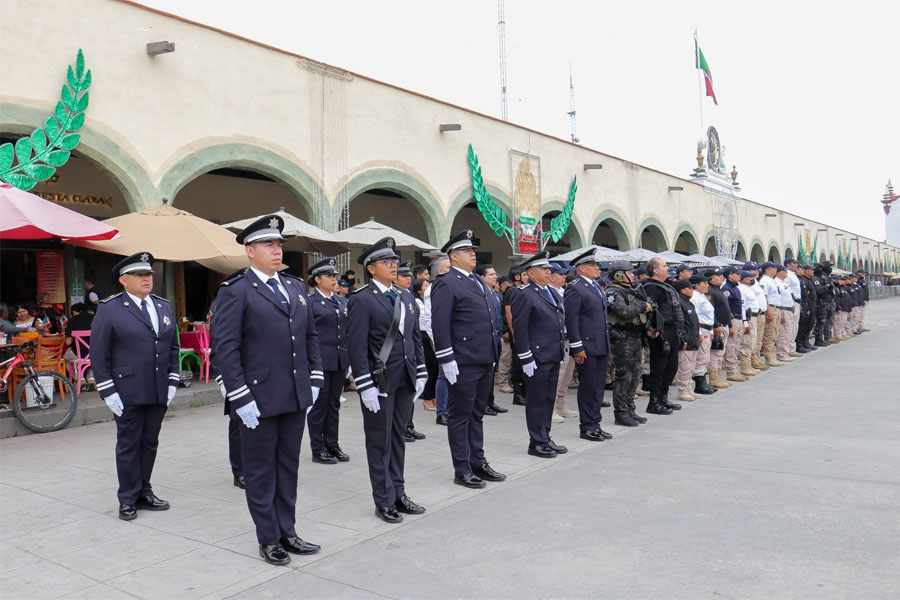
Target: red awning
25, 216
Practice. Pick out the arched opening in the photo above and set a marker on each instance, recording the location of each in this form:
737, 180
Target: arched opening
854, 265
757, 255
394, 209
611, 234
653, 239
822, 257
710, 248
686, 243
788, 253
494, 249
740, 254
569, 241
774, 255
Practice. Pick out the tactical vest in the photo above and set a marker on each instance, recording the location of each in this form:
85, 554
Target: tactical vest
631, 297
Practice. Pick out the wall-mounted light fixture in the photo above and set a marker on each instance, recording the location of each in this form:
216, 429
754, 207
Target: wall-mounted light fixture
771, 215
676, 188
156, 48
592, 166
449, 127
799, 224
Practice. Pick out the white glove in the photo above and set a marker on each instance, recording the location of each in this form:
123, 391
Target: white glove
315, 394
451, 371
420, 386
172, 390
529, 368
370, 399
248, 414
222, 390
349, 372
115, 404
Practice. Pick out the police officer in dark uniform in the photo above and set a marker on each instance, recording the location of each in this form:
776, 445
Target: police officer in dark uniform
538, 323
404, 282
389, 368
134, 354
467, 346
268, 353
665, 346
330, 312
808, 300
824, 303
585, 307
627, 315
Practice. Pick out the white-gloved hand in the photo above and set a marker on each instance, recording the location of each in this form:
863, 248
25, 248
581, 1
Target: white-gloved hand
529, 368
222, 390
115, 404
349, 372
420, 386
370, 399
315, 394
172, 390
451, 371
248, 414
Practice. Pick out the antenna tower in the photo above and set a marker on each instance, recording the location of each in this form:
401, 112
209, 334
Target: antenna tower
571, 112
501, 24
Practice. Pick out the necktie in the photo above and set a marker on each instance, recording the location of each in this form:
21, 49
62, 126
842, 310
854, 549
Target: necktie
334, 302
273, 283
146, 312
550, 295
392, 296
597, 287
474, 278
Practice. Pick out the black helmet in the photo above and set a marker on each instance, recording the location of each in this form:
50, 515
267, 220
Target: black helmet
620, 265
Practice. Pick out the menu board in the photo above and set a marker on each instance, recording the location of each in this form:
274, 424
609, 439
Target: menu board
51, 275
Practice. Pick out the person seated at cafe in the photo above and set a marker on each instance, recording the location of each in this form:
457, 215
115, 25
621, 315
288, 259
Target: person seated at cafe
54, 322
6, 326
25, 319
81, 321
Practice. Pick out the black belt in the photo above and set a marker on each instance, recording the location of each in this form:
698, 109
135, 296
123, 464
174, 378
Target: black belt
706, 327
791, 309
738, 317
756, 313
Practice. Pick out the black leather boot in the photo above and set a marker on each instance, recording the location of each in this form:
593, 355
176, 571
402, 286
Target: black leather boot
655, 407
519, 394
701, 386
664, 400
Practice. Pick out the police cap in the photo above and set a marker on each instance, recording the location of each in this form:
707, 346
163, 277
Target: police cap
541, 259
588, 256
682, 284
766, 265
405, 268
380, 250
140, 263
326, 266
464, 239
263, 229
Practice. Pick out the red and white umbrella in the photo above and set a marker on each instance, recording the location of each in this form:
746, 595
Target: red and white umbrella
30, 217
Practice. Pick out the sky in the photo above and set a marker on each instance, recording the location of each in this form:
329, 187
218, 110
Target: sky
808, 92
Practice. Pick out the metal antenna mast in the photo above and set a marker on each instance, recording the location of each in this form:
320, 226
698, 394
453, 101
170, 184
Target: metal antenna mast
501, 23
571, 113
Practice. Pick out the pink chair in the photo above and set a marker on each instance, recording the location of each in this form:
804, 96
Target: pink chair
198, 341
82, 361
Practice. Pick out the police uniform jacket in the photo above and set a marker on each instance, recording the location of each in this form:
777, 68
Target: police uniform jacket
720, 306
266, 352
732, 292
586, 325
538, 325
128, 357
331, 329
370, 314
691, 322
463, 320
667, 303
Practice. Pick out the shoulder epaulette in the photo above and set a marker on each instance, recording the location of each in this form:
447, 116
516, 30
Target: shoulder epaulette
108, 298
359, 289
236, 276
289, 276
159, 297
441, 274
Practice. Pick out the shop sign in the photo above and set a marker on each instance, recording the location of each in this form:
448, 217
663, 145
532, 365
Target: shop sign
76, 199
51, 275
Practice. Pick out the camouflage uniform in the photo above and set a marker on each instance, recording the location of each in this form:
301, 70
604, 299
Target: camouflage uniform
627, 320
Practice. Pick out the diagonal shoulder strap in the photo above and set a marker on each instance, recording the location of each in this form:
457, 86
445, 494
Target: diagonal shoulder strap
392, 332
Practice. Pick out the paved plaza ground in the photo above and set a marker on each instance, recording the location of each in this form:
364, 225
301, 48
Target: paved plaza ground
785, 486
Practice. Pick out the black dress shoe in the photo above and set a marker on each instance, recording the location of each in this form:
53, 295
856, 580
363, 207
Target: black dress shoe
556, 447
324, 457
626, 421
407, 506
541, 451
408, 437
469, 480
274, 554
606, 435
593, 435
239, 481
442, 420
295, 545
127, 512
339, 454
415, 434
488, 474
490, 411
519, 400
151, 502
388, 514
802, 349
605, 404
498, 409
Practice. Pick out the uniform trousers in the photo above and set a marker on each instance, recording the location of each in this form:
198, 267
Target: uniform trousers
137, 439
504, 364
748, 341
687, 359
323, 417
540, 394
829, 319
235, 447
795, 327
717, 356
862, 314
441, 394
565, 378
854, 319
591, 386
733, 345
785, 330
468, 398
385, 447
663, 361
271, 462
840, 318
431, 365
703, 354
760, 333
626, 354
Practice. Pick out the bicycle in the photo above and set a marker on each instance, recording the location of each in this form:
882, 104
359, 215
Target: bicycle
45, 400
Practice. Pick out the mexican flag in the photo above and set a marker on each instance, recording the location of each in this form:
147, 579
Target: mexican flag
707, 74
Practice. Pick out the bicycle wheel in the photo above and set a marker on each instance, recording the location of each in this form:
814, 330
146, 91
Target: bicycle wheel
45, 401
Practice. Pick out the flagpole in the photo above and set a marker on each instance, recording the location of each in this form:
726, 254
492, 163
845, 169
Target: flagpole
699, 79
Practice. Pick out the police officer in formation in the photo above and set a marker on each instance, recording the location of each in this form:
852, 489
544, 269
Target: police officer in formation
826, 293
538, 325
586, 328
467, 347
404, 282
808, 302
134, 354
667, 339
329, 310
628, 312
388, 366
267, 351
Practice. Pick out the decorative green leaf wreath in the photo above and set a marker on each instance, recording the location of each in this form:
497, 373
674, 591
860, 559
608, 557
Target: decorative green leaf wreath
46, 149
492, 213
560, 223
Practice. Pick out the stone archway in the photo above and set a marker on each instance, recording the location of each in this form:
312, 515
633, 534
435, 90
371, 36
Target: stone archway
774, 255
651, 235
609, 229
789, 253
685, 240
756, 253
740, 253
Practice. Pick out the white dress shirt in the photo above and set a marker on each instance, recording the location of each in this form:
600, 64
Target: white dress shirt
762, 301
705, 311
787, 298
773, 293
749, 299
794, 284
265, 278
151, 309
425, 317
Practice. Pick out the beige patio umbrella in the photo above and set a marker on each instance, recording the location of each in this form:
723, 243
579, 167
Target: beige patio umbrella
367, 233
301, 236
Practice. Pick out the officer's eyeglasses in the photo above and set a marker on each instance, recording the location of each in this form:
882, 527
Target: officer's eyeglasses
391, 262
